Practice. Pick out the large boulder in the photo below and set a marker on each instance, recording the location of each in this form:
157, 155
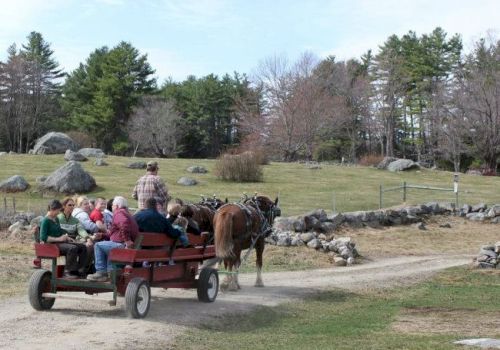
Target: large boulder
77, 157
16, 183
92, 152
385, 162
54, 143
402, 165
70, 178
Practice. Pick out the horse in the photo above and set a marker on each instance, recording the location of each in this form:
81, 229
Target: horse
202, 213
239, 226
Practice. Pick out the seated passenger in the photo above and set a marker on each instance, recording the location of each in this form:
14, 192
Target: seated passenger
108, 213
150, 220
174, 211
97, 215
122, 234
51, 232
82, 211
72, 225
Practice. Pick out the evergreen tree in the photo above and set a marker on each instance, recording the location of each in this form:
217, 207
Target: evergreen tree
100, 95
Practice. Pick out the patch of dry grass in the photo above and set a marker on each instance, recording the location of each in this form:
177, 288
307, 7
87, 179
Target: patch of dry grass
465, 322
464, 237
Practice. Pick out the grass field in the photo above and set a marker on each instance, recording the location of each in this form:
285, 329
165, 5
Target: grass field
300, 189
458, 303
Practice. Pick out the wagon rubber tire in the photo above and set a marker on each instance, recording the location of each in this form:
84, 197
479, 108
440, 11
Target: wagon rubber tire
137, 298
38, 284
208, 285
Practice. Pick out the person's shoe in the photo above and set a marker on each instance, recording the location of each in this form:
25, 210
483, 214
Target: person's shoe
69, 276
99, 276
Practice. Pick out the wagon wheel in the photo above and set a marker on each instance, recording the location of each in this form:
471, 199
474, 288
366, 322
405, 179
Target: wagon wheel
40, 283
208, 285
137, 298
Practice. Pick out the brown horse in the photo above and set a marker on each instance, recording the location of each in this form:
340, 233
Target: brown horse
200, 217
239, 226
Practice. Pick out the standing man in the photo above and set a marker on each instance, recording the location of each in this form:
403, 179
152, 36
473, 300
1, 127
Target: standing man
151, 186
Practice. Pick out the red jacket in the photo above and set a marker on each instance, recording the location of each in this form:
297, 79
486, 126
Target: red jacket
123, 227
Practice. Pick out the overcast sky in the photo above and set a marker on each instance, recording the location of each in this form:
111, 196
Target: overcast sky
199, 37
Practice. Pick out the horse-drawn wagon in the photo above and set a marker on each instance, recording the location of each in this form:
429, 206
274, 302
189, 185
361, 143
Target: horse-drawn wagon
168, 266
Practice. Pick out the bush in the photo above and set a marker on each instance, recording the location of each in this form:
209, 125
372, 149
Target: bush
120, 148
370, 160
244, 167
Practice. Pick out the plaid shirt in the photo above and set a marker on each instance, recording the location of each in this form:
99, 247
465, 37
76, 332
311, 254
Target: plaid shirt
149, 186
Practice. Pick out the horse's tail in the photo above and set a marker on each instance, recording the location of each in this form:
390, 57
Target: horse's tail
223, 235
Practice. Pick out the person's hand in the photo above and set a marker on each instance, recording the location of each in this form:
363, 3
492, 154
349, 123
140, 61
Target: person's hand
89, 242
70, 240
97, 236
64, 238
129, 244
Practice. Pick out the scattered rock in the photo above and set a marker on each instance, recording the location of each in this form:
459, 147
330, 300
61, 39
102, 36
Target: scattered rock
70, 178
307, 237
421, 226
136, 165
15, 183
486, 343
314, 243
197, 169
54, 143
187, 181
100, 162
75, 156
479, 208
446, 225
92, 152
339, 261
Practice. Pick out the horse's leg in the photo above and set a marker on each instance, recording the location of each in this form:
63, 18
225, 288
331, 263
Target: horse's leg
232, 277
259, 250
237, 264
227, 280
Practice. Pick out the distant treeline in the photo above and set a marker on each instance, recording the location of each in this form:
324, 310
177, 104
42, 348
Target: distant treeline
418, 97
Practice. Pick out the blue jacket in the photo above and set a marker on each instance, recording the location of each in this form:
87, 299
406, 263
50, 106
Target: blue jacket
150, 220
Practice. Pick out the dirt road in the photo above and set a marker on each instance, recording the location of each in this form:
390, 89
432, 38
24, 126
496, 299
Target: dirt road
86, 325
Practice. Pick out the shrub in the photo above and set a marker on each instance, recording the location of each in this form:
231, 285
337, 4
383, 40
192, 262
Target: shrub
244, 167
370, 160
120, 147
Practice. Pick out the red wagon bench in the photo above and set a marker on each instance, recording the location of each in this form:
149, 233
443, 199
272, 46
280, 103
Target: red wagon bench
170, 266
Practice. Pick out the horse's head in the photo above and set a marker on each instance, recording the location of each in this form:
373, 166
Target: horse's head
268, 207
214, 202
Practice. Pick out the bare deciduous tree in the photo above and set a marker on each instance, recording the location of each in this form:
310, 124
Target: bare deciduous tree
155, 127
294, 105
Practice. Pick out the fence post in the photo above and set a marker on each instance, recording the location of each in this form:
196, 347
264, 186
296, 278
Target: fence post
404, 192
334, 203
14, 204
456, 200
380, 198
5, 204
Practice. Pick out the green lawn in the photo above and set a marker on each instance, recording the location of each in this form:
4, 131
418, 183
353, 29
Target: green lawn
300, 189
387, 319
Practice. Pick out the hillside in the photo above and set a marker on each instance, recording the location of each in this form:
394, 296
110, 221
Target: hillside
300, 188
